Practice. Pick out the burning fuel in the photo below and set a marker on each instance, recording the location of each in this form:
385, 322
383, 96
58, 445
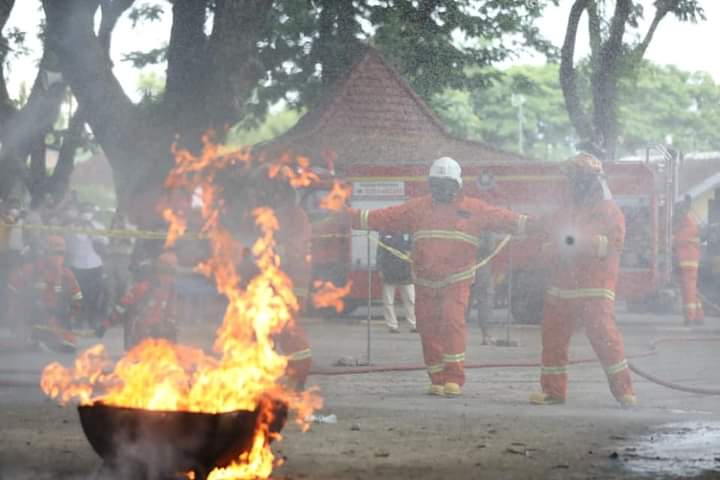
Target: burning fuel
245, 368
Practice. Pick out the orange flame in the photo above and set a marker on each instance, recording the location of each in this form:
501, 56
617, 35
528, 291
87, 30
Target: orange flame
328, 295
245, 367
337, 198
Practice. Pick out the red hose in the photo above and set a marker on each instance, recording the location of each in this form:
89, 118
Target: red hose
652, 350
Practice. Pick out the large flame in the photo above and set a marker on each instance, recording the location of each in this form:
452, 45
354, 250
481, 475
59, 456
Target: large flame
245, 368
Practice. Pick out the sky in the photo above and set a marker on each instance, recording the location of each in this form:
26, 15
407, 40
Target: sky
688, 46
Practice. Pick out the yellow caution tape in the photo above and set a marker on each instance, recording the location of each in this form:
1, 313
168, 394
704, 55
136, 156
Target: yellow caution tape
407, 258
142, 234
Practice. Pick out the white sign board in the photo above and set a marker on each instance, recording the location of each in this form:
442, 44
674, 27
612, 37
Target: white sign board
379, 189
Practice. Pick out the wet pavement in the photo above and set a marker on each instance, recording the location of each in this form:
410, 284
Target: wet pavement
674, 450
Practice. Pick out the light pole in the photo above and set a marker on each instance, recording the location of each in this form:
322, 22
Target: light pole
518, 101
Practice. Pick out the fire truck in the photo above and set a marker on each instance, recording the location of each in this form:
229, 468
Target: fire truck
644, 190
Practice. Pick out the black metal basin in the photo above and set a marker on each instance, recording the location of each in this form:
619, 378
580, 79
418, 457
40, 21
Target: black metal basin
160, 444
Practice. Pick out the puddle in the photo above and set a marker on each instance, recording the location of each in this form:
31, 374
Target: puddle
674, 450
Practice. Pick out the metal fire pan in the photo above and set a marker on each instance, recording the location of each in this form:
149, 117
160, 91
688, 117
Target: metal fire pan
162, 443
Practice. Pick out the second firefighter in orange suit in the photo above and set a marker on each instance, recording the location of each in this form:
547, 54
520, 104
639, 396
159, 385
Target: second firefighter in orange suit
585, 240
149, 308
292, 244
445, 227
686, 248
293, 247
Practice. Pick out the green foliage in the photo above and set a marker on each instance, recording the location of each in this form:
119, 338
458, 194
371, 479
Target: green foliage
151, 85
100, 195
664, 100
311, 44
146, 12
488, 113
658, 101
274, 125
151, 57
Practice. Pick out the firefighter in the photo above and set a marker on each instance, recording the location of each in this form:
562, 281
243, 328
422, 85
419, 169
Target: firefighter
149, 308
585, 242
45, 298
293, 247
446, 226
686, 248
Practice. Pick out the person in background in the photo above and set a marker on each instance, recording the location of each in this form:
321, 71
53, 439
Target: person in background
149, 308
584, 242
85, 261
117, 259
44, 299
396, 273
40, 213
11, 248
482, 291
686, 250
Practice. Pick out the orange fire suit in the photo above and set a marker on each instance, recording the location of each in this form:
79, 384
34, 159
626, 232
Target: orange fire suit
46, 298
686, 246
584, 250
445, 243
148, 309
293, 247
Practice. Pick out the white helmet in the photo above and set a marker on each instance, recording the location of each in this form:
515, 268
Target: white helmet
446, 167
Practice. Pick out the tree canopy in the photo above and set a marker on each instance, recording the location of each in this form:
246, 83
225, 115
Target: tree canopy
655, 103
613, 56
229, 60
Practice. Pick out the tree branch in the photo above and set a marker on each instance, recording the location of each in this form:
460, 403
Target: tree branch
7, 109
86, 67
568, 78
112, 10
604, 80
594, 29
187, 60
662, 9
234, 61
59, 181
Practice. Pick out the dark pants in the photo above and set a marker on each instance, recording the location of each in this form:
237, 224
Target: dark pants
9, 262
91, 285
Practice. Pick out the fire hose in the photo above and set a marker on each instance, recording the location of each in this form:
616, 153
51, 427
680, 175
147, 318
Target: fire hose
652, 350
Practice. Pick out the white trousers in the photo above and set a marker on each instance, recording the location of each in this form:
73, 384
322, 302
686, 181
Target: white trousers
407, 292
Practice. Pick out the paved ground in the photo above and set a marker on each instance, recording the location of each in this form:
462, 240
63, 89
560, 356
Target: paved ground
388, 428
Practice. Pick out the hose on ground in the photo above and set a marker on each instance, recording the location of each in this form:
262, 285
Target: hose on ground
652, 350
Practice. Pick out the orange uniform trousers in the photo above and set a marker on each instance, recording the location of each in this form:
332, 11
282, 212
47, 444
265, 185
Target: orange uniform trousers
293, 342
686, 246
598, 317
440, 316
692, 308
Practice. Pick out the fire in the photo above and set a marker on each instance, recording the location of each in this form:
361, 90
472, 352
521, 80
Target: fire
328, 295
335, 200
244, 369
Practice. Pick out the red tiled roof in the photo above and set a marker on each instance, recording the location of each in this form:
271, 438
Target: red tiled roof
372, 115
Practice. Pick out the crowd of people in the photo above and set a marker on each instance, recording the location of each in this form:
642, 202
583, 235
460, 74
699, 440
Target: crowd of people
61, 276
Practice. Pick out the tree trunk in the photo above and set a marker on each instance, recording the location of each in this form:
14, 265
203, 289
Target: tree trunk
208, 81
568, 77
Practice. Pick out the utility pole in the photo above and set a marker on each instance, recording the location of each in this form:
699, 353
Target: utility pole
518, 100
